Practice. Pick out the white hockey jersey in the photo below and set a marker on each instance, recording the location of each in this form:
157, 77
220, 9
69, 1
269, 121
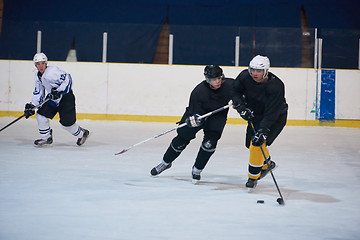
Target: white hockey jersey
52, 77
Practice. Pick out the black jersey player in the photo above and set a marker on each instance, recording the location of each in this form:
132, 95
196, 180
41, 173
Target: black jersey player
260, 99
210, 94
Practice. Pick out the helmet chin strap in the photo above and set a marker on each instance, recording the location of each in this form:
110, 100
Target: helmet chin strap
265, 75
264, 78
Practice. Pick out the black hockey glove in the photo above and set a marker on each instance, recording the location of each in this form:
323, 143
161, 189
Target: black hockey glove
54, 94
29, 110
260, 137
194, 121
244, 112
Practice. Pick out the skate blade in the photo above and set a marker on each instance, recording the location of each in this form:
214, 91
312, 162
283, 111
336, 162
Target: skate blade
195, 181
46, 145
250, 190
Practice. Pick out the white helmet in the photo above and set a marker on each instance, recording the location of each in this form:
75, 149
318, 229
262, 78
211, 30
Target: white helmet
260, 62
40, 57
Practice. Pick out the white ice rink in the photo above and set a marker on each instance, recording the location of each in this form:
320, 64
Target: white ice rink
66, 192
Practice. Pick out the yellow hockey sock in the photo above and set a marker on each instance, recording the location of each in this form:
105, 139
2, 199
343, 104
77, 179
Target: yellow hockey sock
256, 160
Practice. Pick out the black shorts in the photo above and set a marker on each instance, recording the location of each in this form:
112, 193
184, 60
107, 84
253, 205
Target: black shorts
66, 109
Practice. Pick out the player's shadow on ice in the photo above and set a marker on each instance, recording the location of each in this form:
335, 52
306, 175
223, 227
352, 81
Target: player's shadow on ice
266, 189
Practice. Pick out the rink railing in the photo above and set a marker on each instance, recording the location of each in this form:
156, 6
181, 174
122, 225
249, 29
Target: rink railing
160, 93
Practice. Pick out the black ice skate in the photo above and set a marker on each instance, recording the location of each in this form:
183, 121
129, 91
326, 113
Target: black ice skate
41, 142
82, 140
160, 168
195, 176
251, 184
266, 171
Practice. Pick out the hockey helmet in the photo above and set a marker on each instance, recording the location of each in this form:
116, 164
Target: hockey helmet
260, 62
213, 71
40, 57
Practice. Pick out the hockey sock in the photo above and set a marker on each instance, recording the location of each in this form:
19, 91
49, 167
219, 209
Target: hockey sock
202, 158
165, 163
207, 149
43, 125
74, 130
171, 154
265, 166
256, 160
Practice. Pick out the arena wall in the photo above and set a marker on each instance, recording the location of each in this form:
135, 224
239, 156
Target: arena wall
160, 93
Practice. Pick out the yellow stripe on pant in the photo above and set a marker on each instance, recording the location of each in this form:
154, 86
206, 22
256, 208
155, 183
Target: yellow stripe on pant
256, 160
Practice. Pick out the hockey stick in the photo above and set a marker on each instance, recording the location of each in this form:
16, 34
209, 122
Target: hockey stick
34, 108
280, 200
170, 130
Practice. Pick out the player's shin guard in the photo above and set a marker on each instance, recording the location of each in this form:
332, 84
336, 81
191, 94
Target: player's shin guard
256, 160
207, 149
203, 157
74, 129
177, 145
44, 126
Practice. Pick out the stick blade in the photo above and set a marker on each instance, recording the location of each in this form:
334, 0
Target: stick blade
123, 151
280, 201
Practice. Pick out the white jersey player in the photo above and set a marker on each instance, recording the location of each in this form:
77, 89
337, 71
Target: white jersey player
58, 85
52, 77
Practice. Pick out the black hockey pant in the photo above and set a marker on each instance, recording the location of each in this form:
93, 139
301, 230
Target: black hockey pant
66, 109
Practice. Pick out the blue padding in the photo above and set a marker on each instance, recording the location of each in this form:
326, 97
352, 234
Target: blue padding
327, 95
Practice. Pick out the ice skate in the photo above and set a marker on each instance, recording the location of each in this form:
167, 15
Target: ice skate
42, 142
160, 168
251, 184
82, 140
195, 178
271, 166
195, 175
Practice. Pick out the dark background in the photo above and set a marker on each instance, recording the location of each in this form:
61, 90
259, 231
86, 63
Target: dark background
204, 31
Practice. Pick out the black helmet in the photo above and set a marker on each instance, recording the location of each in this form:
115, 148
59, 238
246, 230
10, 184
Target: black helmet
212, 71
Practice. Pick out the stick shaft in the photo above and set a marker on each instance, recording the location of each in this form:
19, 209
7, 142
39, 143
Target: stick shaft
267, 163
34, 108
13, 122
172, 129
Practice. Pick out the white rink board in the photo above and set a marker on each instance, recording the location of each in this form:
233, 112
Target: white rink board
163, 90
347, 97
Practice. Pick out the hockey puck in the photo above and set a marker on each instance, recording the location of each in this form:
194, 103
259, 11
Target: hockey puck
260, 201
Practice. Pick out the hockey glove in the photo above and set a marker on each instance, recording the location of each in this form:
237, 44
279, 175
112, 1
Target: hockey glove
260, 137
29, 110
244, 112
54, 94
193, 121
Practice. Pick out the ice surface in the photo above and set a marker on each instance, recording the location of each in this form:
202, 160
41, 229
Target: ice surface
69, 192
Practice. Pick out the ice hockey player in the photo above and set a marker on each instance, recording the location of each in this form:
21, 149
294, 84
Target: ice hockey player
58, 85
260, 98
212, 93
